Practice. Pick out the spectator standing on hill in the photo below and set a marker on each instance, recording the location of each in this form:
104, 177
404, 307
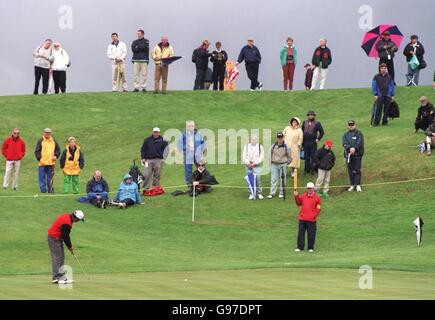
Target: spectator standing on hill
13, 149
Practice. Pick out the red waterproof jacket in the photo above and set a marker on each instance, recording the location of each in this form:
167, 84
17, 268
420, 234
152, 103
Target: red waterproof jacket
13, 150
310, 207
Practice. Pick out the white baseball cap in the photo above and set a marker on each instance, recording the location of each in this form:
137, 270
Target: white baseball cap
310, 185
156, 129
79, 215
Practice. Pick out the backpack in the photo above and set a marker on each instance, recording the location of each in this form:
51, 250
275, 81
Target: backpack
136, 175
393, 110
154, 191
195, 56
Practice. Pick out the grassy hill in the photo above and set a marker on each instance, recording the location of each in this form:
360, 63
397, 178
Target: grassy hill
371, 228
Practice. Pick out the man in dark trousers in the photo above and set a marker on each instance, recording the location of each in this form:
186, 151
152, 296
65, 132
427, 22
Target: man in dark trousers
310, 208
153, 152
141, 57
58, 234
353, 143
425, 115
252, 57
383, 94
386, 49
313, 133
219, 58
200, 57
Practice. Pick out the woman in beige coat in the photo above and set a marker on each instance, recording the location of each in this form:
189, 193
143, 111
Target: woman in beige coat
293, 137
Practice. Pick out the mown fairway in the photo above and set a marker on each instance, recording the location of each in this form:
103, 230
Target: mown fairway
237, 248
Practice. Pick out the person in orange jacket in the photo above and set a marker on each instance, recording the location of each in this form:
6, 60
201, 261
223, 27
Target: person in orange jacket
310, 209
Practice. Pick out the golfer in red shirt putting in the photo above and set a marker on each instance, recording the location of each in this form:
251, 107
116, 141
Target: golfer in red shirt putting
58, 234
310, 208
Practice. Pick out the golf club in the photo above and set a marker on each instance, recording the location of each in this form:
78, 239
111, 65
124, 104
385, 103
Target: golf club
83, 270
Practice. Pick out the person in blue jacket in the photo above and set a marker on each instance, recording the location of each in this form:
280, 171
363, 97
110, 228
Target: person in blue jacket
127, 193
252, 57
193, 146
383, 93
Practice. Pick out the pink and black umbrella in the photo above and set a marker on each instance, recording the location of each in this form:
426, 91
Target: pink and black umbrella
372, 37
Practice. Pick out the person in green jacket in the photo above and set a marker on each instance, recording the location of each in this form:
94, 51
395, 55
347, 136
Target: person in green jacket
289, 58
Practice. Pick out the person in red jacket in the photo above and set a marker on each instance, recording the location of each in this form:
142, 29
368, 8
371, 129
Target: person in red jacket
310, 208
57, 235
13, 149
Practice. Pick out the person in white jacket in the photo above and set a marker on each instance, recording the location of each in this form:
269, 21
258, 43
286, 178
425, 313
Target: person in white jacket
42, 62
60, 64
253, 156
117, 51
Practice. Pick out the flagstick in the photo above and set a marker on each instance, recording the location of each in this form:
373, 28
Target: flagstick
193, 206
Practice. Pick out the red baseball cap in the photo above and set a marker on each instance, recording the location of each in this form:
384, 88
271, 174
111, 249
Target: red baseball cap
328, 143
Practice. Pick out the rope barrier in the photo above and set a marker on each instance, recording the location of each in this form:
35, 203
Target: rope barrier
223, 187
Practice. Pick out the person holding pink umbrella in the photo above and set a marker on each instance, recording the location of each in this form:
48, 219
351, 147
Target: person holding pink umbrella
386, 49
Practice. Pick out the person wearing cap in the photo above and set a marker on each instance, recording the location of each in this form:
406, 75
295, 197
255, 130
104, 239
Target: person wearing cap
386, 49
383, 93
414, 48
60, 63
72, 162
289, 58
310, 209
201, 180
201, 55
13, 149
321, 60
47, 151
293, 137
353, 143
127, 193
425, 115
43, 59
308, 76
192, 144
313, 133
280, 157
252, 57
58, 234
153, 152
116, 52
325, 160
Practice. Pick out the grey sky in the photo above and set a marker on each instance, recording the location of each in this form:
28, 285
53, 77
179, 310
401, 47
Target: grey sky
25, 25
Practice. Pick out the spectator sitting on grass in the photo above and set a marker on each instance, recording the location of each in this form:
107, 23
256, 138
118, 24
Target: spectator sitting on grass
127, 194
97, 191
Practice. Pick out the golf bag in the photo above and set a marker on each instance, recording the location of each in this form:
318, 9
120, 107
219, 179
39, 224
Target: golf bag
393, 110
136, 175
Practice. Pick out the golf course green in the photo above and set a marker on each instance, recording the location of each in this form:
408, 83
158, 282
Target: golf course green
237, 248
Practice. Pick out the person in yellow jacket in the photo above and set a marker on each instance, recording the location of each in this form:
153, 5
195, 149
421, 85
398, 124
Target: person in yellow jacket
72, 161
161, 50
293, 137
46, 152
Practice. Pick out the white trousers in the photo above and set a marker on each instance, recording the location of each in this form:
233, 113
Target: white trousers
319, 72
9, 166
118, 70
140, 75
